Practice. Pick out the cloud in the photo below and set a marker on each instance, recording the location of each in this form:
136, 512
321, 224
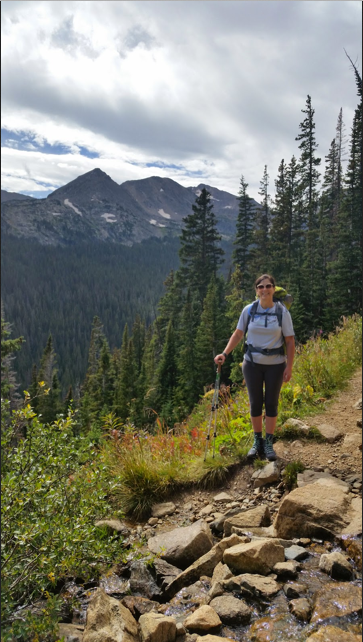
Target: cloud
204, 88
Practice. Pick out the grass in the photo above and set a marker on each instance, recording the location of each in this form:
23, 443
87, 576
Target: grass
290, 473
147, 468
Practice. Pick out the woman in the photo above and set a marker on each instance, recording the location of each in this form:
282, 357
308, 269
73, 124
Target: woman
265, 361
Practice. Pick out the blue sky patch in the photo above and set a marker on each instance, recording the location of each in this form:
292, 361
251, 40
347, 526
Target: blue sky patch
25, 141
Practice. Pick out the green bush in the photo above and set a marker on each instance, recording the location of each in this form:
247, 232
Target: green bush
290, 473
54, 487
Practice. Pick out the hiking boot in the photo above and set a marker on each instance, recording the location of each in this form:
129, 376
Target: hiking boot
268, 448
257, 449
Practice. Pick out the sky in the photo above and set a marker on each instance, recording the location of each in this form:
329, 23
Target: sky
199, 91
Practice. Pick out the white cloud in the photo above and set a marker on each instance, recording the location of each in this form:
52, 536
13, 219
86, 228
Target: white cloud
215, 87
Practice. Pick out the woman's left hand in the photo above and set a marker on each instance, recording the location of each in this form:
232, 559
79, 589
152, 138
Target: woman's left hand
287, 375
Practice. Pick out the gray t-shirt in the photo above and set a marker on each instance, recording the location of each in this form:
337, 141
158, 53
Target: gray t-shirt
269, 337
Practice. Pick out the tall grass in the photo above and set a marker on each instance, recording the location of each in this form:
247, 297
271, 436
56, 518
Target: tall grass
147, 468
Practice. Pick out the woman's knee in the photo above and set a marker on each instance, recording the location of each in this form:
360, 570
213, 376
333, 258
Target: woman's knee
271, 410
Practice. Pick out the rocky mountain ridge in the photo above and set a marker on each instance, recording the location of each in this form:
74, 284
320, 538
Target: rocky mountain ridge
94, 207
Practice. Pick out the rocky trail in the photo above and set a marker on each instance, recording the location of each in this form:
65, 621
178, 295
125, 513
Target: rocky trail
251, 561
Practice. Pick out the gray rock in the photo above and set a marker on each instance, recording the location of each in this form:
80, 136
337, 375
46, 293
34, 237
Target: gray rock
182, 546
165, 573
115, 525
296, 423
337, 566
107, 619
330, 433
231, 610
311, 476
267, 475
255, 557
286, 569
358, 404
255, 517
296, 553
222, 497
142, 581
161, 510
294, 590
252, 585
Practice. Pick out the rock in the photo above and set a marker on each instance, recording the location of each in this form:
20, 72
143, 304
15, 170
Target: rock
315, 510
296, 553
336, 600
222, 497
71, 632
354, 549
355, 519
213, 638
358, 404
311, 476
231, 610
330, 433
153, 521
114, 525
252, 585
203, 619
286, 569
207, 510
182, 546
221, 572
161, 510
113, 584
296, 423
142, 581
205, 565
165, 573
352, 441
156, 627
333, 634
301, 608
107, 619
254, 517
267, 475
337, 566
294, 590
139, 605
254, 557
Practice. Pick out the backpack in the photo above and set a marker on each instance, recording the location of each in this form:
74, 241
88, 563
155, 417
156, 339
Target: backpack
281, 298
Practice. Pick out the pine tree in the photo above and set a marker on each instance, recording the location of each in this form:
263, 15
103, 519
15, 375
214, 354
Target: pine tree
244, 233
282, 222
187, 391
200, 255
235, 302
49, 402
167, 379
260, 254
8, 347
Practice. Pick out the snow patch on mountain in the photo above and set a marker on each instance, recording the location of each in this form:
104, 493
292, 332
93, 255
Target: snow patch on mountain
164, 214
68, 202
110, 218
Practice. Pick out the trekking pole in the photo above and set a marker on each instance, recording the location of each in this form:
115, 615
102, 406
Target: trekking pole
213, 413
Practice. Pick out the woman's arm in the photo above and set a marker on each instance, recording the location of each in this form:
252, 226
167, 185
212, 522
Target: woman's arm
232, 343
290, 351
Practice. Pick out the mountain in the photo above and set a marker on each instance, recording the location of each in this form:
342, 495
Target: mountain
13, 196
94, 207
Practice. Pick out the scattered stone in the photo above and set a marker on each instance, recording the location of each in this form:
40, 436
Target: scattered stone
286, 569
333, 634
183, 546
330, 433
352, 441
354, 549
161, 510
267, 475
153, 521
113, 584
156, 627
296, 423
114, 525
139, 605
254, 557
301, 608
142, 581
107, 619
221, 572
358, 404
296, 553
203, 619
255, 517
252, 585
311, 476
231, 610
337, 600
222, 497
337, 566
294, 590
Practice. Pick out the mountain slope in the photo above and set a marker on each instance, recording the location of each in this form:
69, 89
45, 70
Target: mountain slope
13, 196
94, 207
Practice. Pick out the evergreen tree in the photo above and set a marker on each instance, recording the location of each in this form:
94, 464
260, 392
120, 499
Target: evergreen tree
200, 255
167, 378
260, 253
124, 384
244, 233
235, 302
8, 347
49, 400
212, 333
282, 221
186, 360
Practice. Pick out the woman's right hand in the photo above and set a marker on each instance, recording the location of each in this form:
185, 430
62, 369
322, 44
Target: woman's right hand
219, 359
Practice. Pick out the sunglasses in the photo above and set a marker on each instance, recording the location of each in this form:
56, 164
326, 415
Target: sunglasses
261, 287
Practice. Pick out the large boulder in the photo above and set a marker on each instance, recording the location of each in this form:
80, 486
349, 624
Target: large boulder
203, 619
107, 619
337, 566
142, 581
161, 510
231, 610
259, 556
182, 546
311, 476
316, 510
267, 475
337, 599
333, 634
255, 517
252, 585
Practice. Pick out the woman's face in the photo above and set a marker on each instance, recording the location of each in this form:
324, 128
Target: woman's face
265, 290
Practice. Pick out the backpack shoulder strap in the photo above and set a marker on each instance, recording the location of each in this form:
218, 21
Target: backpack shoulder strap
279, 312
253, 310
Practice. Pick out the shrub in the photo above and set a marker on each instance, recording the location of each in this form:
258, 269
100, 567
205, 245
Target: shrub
290, 473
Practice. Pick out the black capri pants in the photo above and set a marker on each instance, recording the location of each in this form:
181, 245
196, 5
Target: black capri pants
257, 374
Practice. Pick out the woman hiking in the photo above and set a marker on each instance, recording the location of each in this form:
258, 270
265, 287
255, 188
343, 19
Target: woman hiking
265, 363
